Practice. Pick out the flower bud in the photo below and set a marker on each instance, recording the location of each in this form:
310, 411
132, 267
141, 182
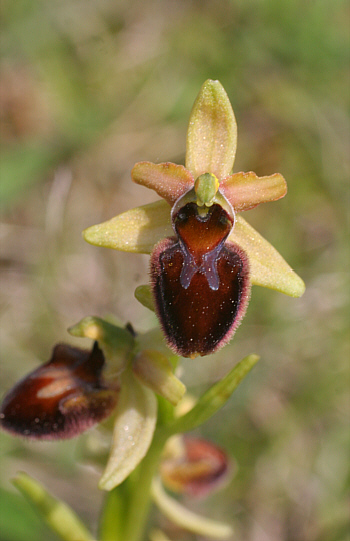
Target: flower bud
193, 466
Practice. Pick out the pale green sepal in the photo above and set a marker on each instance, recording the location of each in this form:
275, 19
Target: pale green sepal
186, 519
212, 133
55, 513
115, 342
136, 416
155, 370
215, 398
144, 295
136, 230
267, 266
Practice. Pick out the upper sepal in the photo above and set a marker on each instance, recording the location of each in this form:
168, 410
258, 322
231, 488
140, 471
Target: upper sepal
212, 133
61, 398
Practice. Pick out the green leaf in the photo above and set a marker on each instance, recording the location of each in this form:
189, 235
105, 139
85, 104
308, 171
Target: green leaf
215, 398
18, 520
55, 513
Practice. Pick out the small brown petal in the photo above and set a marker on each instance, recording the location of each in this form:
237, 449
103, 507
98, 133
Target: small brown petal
61, 398
169, 180
246, 190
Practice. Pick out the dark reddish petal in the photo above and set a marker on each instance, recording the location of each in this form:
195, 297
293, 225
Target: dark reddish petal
198, 470
61, 398
200, 284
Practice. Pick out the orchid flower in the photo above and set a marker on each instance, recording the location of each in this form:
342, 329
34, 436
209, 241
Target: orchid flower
204, 257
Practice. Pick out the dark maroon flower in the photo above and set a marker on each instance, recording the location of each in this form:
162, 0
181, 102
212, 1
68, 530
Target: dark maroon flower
200, 282
61, 398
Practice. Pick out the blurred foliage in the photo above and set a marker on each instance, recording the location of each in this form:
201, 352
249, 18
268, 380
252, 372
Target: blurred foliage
87, 89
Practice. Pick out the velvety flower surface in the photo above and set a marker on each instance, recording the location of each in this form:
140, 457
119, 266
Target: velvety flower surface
62, 398
203, 256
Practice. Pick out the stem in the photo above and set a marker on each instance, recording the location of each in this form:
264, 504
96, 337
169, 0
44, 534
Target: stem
113, 513
140, 497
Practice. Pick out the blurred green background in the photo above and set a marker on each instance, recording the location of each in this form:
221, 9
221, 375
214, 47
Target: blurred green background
87, 89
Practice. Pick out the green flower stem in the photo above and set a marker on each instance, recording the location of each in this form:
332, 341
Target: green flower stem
113, 513
140, 496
